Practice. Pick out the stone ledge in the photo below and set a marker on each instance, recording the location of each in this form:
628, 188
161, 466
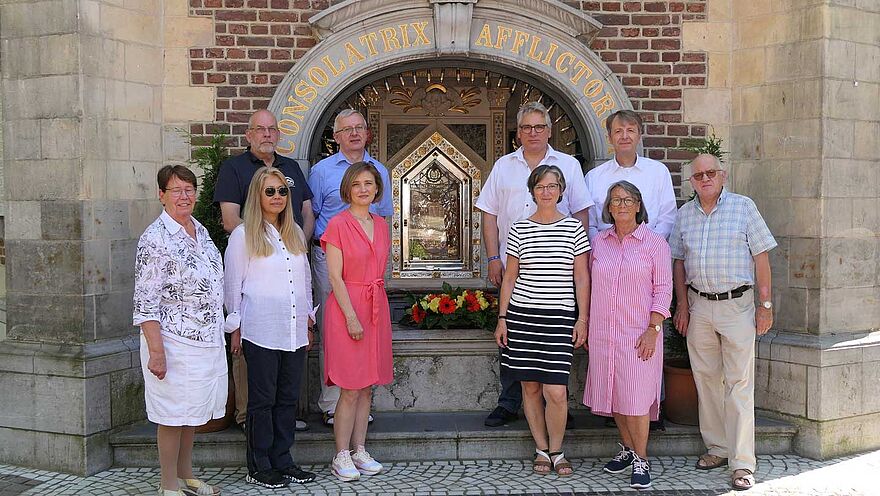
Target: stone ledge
67, 360
822, 440
819, 351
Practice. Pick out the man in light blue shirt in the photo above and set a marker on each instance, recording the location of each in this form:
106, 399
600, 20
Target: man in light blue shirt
350, 132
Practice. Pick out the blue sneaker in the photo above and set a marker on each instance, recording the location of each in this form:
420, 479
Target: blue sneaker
621, 460
641, 473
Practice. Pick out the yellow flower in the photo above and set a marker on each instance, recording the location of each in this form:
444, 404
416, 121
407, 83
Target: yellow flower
434, 305
460, 300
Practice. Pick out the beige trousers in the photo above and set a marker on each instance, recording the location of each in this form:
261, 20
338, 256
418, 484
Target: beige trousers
239, 378
721, 344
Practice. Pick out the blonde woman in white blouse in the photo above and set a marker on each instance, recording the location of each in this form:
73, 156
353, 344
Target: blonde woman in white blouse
178, 303
268, 296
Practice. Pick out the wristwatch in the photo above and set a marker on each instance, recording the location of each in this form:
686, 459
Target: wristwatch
767, 304
657, 327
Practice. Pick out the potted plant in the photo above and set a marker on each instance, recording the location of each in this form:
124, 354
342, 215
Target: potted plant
681, 404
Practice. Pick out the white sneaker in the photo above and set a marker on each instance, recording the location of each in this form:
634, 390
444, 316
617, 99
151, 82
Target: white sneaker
343, 467
365, 463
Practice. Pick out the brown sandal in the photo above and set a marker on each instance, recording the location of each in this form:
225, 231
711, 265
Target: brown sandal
742, 482
709, 462
560, 464
539, 466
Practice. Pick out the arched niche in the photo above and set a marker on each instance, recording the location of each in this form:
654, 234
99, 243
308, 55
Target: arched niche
541, 40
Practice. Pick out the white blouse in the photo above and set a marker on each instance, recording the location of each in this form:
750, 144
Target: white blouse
269, 298
178, 282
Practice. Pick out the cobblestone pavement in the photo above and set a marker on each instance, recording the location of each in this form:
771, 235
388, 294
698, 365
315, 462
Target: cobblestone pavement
786, 475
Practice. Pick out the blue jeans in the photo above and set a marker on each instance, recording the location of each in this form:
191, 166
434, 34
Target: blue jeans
511, 392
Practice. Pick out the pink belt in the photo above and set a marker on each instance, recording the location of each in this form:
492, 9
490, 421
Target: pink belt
372, 288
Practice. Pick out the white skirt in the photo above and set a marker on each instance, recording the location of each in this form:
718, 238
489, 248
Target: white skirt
195, 386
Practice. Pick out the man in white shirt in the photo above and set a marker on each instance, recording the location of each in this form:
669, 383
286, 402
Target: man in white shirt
650, 176
505, 199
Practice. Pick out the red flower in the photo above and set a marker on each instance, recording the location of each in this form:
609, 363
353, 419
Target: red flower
447, 305
418, 315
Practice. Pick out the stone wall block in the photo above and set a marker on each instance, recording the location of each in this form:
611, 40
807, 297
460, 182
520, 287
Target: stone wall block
97, 412
132, 180
850, 179
94, 98
47, 97
130, 25
113, 314
94, 179
868, 67
786, 389
142, 213
60, 138
185, 32
111, 219
183, 104
60, 179
754, 31
21, 58
22, 138
850, 262
23, 220
103, 58
130, 101
61, 220
806, 178
792, 139
177, 67
96, 267
749, 66
855, 25
60, 265
866, 140
838, 138
805, 263
122, 253
176, 8
852, 100
746, 143
794, 61
793, 100
710, 105
143, 64
840, 59
765, 179
719, 70
866, 215
840, 392
175, 145
850, 309
59, 54
719, 10
791, 312
836, 219
39, 317
146, 141
748, 105
127, 396
47, 17
706, 36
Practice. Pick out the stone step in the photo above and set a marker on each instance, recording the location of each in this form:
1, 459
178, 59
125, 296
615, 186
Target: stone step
439, 436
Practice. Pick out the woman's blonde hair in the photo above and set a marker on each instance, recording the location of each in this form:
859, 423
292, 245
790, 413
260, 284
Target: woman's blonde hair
256, 233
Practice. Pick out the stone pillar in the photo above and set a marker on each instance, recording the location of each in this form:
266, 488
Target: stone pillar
804, 145
82, 108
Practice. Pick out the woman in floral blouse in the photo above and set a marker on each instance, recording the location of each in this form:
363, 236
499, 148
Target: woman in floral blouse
178, 303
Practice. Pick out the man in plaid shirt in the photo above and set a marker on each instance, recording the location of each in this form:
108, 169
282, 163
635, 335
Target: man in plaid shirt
720, 247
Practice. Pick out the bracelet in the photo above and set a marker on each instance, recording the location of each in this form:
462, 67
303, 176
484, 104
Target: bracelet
494, 257
502, 317
582, 320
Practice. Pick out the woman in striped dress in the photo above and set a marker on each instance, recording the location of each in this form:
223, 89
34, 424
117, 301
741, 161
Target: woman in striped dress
632, 289
543, 313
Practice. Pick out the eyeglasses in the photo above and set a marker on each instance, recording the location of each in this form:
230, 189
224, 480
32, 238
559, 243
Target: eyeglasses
263, 129
552, 187
180, 192
538, 128
281, 190
698, 176
352, 129
627, 202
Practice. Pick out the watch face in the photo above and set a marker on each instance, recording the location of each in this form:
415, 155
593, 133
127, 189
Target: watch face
767, 304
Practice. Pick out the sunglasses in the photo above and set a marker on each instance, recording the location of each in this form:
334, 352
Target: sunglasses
271, 190
709, 173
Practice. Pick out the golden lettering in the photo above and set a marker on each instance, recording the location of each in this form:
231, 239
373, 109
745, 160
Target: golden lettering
389, 39
518, 39
581, 70
295, 109
289, 148
354, 56
485, 38
593, 88
318, 77
368, 41
305, 91
288, 126
504, 33
603, 105
565, 55
404, 34
536, 40
553, 47
419, 27
333, 70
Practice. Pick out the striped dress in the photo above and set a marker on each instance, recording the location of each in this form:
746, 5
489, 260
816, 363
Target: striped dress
630, 279
542, 309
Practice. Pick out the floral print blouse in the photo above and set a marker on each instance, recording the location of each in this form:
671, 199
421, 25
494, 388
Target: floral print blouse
179, 283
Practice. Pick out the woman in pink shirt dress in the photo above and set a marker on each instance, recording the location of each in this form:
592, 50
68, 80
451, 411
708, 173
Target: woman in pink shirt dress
357, 319
631, 293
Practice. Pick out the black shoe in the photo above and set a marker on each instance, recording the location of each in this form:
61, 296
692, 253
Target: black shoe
298, 475
621, 461
267, 478
657, 425
641, 473
499, 416
569, 421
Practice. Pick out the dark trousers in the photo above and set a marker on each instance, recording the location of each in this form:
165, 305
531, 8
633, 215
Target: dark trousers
274, 378
511, 392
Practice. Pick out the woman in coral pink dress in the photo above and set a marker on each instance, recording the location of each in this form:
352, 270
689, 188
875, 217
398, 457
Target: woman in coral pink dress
357, 320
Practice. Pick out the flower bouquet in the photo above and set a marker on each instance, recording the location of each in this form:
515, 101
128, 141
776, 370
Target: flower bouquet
453, 308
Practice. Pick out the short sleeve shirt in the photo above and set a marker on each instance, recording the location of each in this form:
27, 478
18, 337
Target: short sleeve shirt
718, 248
236, 173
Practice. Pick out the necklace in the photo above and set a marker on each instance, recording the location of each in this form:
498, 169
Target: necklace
362, 219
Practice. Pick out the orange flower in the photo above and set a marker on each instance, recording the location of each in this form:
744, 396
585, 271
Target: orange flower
447, 305
418, 314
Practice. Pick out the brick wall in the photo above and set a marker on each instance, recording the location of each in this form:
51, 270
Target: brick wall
258, 41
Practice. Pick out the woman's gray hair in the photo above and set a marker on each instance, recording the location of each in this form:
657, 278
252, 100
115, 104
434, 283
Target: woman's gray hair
538, 174
641, 215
